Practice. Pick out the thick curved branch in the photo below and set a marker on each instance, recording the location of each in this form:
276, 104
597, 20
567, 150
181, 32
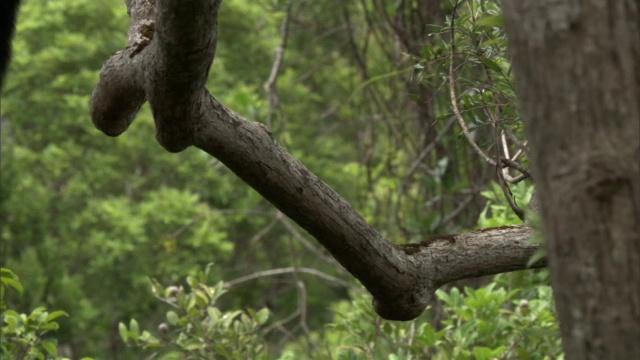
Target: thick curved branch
401, 279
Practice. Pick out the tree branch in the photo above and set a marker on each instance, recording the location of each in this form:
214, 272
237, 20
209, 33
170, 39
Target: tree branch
171, 72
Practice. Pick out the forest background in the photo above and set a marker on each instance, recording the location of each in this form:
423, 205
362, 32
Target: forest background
360, 93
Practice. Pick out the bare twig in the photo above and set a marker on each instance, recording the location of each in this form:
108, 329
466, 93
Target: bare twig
463, 205
280, 324
288, 270
293, 230
499, 168
423, 154
257, 236
510, 162
185, 226
516, 165
507, 192
270, 85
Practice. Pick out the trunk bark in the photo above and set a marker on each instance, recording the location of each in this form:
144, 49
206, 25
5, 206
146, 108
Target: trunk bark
577, 68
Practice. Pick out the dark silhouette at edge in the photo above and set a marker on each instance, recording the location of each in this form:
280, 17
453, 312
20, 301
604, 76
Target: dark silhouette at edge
8, 13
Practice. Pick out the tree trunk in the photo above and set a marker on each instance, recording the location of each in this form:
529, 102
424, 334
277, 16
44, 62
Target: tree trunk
577, 68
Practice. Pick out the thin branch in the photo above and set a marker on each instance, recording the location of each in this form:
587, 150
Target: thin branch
515, 165
427, 149
509, 195
452, 92
291, 228
288, 270
264, 231
280, 324
499, 170
510, 162
270, 85
452, 215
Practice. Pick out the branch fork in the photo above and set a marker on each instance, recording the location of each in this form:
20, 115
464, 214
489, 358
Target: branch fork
169, 67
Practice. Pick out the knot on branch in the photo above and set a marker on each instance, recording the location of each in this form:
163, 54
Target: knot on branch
403, 307
142, 36
117, 97
173, 132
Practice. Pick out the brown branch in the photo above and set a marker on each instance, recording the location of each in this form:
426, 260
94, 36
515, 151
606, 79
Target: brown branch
502, 181
510, 162
171, 72
516, 165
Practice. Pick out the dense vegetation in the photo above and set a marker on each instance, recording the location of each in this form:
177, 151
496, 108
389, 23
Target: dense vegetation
362, 98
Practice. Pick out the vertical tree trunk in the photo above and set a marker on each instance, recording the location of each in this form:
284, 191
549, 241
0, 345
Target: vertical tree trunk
577, 68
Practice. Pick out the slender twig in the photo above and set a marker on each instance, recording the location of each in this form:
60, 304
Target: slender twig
293, 230
288, 270
516, 165
428, 148
507, 191
452, 215
499, 168
187, 225
509, 162
452, 91
270, 85
280, 323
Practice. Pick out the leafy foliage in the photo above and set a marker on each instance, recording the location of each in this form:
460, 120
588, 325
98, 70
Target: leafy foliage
484, 323
195, 328
497, 212
25, 336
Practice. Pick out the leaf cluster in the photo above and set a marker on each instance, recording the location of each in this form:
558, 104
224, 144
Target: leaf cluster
195, 328
27, 335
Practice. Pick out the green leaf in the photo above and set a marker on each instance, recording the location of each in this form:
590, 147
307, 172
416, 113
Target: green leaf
56, 314
173, 355
262, 316
173, 318
213, 313
122, 329
50, 346
134, 328
50, 326
193, 345
13, 283
201, 296
493, 42
38, 314
228, 318
490, 64
491, 21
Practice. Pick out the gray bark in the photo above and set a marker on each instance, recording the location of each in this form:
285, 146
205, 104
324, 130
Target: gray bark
577, 69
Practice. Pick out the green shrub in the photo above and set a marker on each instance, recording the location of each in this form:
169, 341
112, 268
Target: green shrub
485, 323
26, 336
195, 328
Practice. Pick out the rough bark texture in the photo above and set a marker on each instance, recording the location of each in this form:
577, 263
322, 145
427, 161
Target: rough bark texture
166, 63
577, 67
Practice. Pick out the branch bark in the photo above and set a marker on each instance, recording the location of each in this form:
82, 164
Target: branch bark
170, 72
